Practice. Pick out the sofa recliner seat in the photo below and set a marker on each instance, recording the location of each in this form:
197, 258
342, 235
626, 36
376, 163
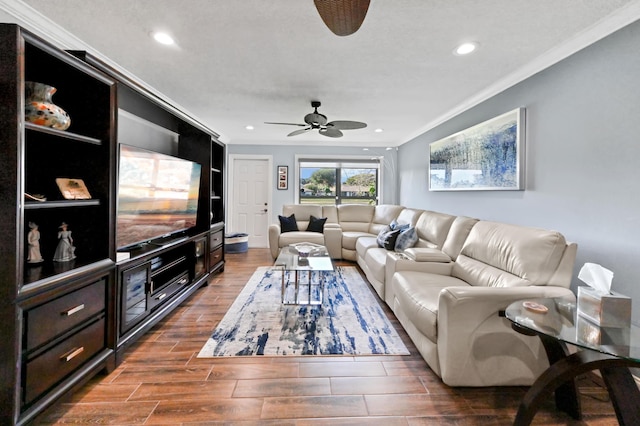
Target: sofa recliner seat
454, 318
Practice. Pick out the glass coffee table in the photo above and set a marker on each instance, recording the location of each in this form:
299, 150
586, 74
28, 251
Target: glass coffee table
611, 350
304, 269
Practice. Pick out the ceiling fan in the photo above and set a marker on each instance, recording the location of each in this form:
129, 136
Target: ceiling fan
317, 121
343, 17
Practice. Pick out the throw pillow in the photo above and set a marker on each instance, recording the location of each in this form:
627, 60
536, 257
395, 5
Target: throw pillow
390, 239
407, 238
288, 224
380, 237
395, 225
315, 224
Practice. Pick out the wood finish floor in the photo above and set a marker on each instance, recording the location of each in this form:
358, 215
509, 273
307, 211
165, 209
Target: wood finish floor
161, 382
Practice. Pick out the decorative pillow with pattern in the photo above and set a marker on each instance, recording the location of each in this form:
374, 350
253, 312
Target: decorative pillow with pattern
395, 225
407, 238
288, 224
380, 237
390, 239
315, 224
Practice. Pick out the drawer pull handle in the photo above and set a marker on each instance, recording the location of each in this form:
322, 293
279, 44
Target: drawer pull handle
162, 296
73, 310
72, 354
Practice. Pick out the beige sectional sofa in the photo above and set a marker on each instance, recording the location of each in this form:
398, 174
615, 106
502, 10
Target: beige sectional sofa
448, 289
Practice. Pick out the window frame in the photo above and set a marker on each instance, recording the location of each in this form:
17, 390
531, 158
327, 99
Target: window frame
367, 161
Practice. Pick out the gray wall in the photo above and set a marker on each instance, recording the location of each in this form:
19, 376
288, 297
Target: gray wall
583, 147
286, 156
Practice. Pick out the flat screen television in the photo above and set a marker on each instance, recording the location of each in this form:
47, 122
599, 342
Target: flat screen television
157, 196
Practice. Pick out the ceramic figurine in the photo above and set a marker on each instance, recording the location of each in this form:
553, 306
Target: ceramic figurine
65, 250
33, 239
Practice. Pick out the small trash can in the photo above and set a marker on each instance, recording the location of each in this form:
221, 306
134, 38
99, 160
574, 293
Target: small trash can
236, 243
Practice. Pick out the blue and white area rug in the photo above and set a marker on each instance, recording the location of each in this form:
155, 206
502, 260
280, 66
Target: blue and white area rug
349, 322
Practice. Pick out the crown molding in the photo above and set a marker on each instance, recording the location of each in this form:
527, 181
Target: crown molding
615, 21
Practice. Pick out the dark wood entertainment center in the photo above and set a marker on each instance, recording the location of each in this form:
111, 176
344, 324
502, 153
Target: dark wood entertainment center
64, 322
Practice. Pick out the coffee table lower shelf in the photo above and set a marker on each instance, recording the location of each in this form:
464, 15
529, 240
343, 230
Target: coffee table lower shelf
302, 287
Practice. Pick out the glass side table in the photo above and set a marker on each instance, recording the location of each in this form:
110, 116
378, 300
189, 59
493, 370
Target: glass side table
611, 350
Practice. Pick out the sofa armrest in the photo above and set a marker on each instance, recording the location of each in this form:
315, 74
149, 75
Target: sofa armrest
476, 346
333, 240
427, 254
274, 239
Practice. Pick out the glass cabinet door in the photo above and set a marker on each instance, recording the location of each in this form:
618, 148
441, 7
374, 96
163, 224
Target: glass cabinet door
135, 282
200, 257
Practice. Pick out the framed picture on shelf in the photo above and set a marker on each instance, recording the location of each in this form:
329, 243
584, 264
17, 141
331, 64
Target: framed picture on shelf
73, 189
283, 177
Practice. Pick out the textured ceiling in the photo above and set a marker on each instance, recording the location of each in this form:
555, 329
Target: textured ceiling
246, 62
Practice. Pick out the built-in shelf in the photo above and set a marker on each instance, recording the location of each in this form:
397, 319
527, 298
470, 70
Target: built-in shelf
32, 205
62, 133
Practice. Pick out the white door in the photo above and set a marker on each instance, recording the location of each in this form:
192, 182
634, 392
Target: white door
251, 194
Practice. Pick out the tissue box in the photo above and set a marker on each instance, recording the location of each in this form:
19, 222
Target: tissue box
591, 334
604, 310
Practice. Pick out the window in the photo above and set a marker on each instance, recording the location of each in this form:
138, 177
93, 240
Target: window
337, 182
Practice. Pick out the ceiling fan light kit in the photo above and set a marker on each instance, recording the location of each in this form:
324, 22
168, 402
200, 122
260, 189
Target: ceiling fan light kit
343, 17
317, 121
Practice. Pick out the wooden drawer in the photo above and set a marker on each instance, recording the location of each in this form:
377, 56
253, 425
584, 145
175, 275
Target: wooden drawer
59, 315
215, 257
164, 294
55, 364
215, 239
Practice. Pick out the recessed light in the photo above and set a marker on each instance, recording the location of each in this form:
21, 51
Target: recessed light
378, 130
465, 48
163, 38
249, 127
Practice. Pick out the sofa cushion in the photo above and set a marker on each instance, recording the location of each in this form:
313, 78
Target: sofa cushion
492, 250
458, 233
417, 294
425, 254
406, 239
288, 223
350, 238
355, 218
316, 224
294, 237
383, 215
376, 260
364, 244
433, 228
409, 216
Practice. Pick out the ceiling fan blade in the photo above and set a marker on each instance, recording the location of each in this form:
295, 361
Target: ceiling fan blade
331, 133
286, 124
343, 17
299, 132
347, 125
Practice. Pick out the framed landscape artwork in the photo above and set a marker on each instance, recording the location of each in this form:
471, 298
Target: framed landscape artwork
486, 157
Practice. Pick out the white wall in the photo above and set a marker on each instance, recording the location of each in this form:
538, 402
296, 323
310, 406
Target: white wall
284, 155
582, 158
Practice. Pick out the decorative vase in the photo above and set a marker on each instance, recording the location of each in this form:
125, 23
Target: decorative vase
39, 109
